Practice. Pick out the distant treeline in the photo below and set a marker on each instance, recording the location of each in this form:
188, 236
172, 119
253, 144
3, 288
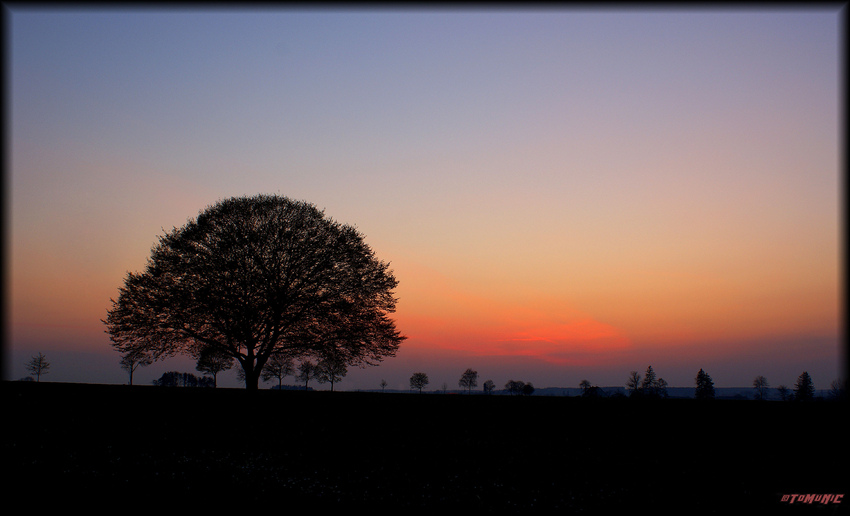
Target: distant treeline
183, 379
677, 392
178, 379
290, 388
615, 392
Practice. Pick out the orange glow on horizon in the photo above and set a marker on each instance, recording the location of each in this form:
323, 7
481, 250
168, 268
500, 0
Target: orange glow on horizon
444, 317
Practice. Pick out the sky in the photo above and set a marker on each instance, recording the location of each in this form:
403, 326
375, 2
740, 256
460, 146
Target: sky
563, 194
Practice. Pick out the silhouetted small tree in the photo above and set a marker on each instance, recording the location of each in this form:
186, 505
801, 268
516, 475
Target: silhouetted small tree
213, 361
705, 386
760, 385
527, 389
489, 387
661, 388
279, 366
418, 381
593, 392
134, 360
804, 390
633, 383
784, 392
306, 372
468, 380
588, 390
648, 382
514, 387
331, 369
650, 387
838, 389
383, 385
38, 366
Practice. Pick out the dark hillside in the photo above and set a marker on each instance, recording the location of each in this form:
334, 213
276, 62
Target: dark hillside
89, 446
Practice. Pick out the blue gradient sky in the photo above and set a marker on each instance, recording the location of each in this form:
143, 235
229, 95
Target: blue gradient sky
563, 194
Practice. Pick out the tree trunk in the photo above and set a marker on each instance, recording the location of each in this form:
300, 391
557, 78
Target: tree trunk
252, 367
252, 379
252, 383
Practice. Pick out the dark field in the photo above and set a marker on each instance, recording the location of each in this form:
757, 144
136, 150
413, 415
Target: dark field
125, 449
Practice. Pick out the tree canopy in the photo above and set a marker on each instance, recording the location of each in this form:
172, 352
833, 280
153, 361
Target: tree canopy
254, 276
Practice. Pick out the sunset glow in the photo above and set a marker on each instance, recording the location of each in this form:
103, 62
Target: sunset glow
562, 194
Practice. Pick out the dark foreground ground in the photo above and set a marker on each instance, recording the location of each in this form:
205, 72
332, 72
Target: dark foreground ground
130, 449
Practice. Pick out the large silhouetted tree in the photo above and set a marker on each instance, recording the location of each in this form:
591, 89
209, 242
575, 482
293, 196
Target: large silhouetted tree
255, 276
38, 366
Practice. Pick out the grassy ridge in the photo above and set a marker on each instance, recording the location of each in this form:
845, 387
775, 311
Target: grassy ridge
83, 446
